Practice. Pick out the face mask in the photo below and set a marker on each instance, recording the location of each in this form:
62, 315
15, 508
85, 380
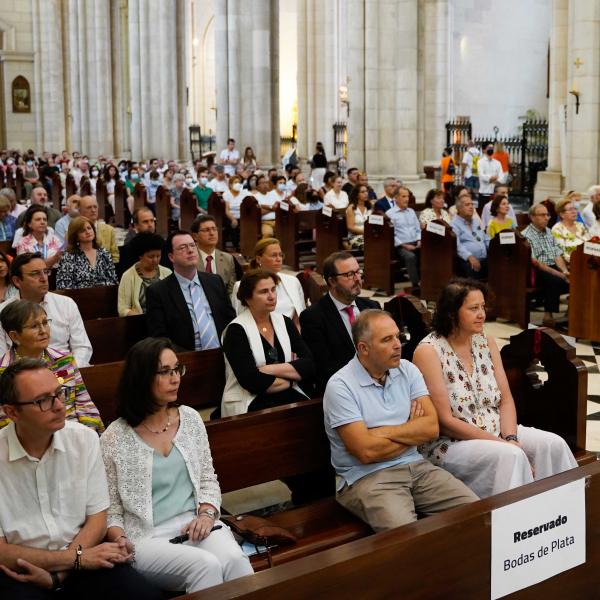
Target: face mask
94, 173
204, 180
189, 181
10, 161
135, 177
238, 187
30, 163
281, 187
489, 151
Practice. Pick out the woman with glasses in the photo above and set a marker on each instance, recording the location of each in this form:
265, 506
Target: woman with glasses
290, 297
138, 278
84, 264
568, 232
161, 479
28, 327
266, 360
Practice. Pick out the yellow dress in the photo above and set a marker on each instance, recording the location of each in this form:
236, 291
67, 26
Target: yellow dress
494, 227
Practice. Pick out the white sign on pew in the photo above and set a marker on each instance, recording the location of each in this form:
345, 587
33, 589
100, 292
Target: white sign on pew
537, 538
507, 237
436, 228
327, 211
376, 219
284, 206
591, 248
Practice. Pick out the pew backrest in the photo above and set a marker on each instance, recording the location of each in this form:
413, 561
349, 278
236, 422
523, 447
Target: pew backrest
250, 225
379, 254
584, 297
95, 302
111, 337
438, 256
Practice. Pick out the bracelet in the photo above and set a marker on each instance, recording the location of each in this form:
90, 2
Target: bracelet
511, 438
78, 553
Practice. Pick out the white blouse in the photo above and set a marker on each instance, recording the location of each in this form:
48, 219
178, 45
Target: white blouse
338, 201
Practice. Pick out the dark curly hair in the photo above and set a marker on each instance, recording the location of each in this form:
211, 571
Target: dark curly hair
445, 318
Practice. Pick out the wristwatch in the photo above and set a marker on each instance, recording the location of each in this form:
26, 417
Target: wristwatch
511, 438
210, 512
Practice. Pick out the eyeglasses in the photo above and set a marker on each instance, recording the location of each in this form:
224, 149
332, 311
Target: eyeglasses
47, 402
170, 372
40, 326
207, 229
350, 274
38, 274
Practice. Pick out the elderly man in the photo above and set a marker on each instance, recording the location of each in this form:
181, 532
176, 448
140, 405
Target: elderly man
407, 233
327, 324
105, 234
587, 214
390, 187
62, 225
471, 240
552, 272
30, 275
189, 307
212, 260
39, 195
54, 499
377, 411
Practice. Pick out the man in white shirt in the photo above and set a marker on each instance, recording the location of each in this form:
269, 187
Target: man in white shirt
54, 499
470, 167
587, 214
230, 157
67, 333
218, 183
490, 173
212, 260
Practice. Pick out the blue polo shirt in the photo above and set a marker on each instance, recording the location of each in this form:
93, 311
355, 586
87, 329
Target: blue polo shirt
353, 395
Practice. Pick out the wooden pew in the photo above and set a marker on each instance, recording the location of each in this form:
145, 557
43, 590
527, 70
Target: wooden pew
289, 227
139, 198
201, 387
509, 277
163, 211
6, 247
398, 563
408, 312
216, 209
584, 297
102, 199
85, 186
19, 184
121, 205
70, 187
111, 337
95, 302
313, 285
380, 256
189, 209
559, 404
56, 191
438, 256
330, 233
250, 225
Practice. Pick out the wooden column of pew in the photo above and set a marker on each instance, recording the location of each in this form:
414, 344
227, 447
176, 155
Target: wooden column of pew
163, 211
189, 209
509, 277
290, 225
584, 295
438, 257
250, 225
313, 286
380, 256
216, 209
101, 198
139, 197
85, 187
330, 233
70, 186
111, 337
56, 191
120, 204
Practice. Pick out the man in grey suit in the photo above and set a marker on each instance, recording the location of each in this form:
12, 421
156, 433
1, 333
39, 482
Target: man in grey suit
206, 235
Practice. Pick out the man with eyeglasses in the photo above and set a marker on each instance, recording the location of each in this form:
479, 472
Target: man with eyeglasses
30, 275
327, 325
551, 270
54, 499
190, 307
471, 241
212, 260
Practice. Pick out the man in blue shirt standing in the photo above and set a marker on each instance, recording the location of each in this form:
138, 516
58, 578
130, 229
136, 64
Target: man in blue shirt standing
407, 233
471, 241
377, 411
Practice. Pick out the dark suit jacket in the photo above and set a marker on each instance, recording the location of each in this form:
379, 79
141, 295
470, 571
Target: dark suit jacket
168, 316
382, 205
325, 334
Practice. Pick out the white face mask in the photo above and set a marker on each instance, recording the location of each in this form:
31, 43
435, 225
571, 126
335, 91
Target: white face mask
10, 161
94, 173
282, 187
238, 187
189, 181
203, 180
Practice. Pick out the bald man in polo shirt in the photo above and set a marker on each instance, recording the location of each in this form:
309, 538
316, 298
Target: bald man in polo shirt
377, 411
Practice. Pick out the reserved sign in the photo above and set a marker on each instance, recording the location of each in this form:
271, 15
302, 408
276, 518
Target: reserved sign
537, 538
376, 219
284, 206
591, 248
507, 237
327, 211
436, 228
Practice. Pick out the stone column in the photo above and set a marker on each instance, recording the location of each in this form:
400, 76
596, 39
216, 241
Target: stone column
550, 182
247, 75
48, 61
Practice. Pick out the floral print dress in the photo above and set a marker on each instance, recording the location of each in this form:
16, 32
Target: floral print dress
474, 399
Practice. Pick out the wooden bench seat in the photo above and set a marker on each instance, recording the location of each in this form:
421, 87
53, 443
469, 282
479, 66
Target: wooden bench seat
95, 302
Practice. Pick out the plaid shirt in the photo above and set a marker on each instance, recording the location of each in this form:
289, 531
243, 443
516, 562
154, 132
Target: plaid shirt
544, 247
7, 228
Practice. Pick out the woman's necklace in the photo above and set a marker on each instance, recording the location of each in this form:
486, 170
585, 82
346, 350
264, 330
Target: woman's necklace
163, 429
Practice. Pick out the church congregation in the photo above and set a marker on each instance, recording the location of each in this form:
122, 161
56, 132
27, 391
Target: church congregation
276, 318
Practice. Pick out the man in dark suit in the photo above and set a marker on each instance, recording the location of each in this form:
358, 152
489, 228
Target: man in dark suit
390, 187
326, 325
189, 307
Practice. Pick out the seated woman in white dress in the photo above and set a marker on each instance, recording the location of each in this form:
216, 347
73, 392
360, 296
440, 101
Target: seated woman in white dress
357, 213
481, 442
336, 197
290, 297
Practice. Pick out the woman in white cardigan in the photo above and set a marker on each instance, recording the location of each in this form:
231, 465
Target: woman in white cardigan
161, 479
136, 280
290, 297
266, 360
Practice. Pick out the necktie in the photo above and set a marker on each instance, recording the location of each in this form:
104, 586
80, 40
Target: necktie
349, 310
205, 337
209, 264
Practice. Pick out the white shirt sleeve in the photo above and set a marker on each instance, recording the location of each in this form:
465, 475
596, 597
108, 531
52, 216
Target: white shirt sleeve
79, 342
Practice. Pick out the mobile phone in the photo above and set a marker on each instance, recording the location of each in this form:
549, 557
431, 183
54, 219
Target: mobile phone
179, 539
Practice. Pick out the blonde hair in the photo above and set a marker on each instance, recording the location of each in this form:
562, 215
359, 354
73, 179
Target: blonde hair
260, 248
562, 204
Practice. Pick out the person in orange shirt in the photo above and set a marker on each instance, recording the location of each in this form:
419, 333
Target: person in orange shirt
502, 157
448, 170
